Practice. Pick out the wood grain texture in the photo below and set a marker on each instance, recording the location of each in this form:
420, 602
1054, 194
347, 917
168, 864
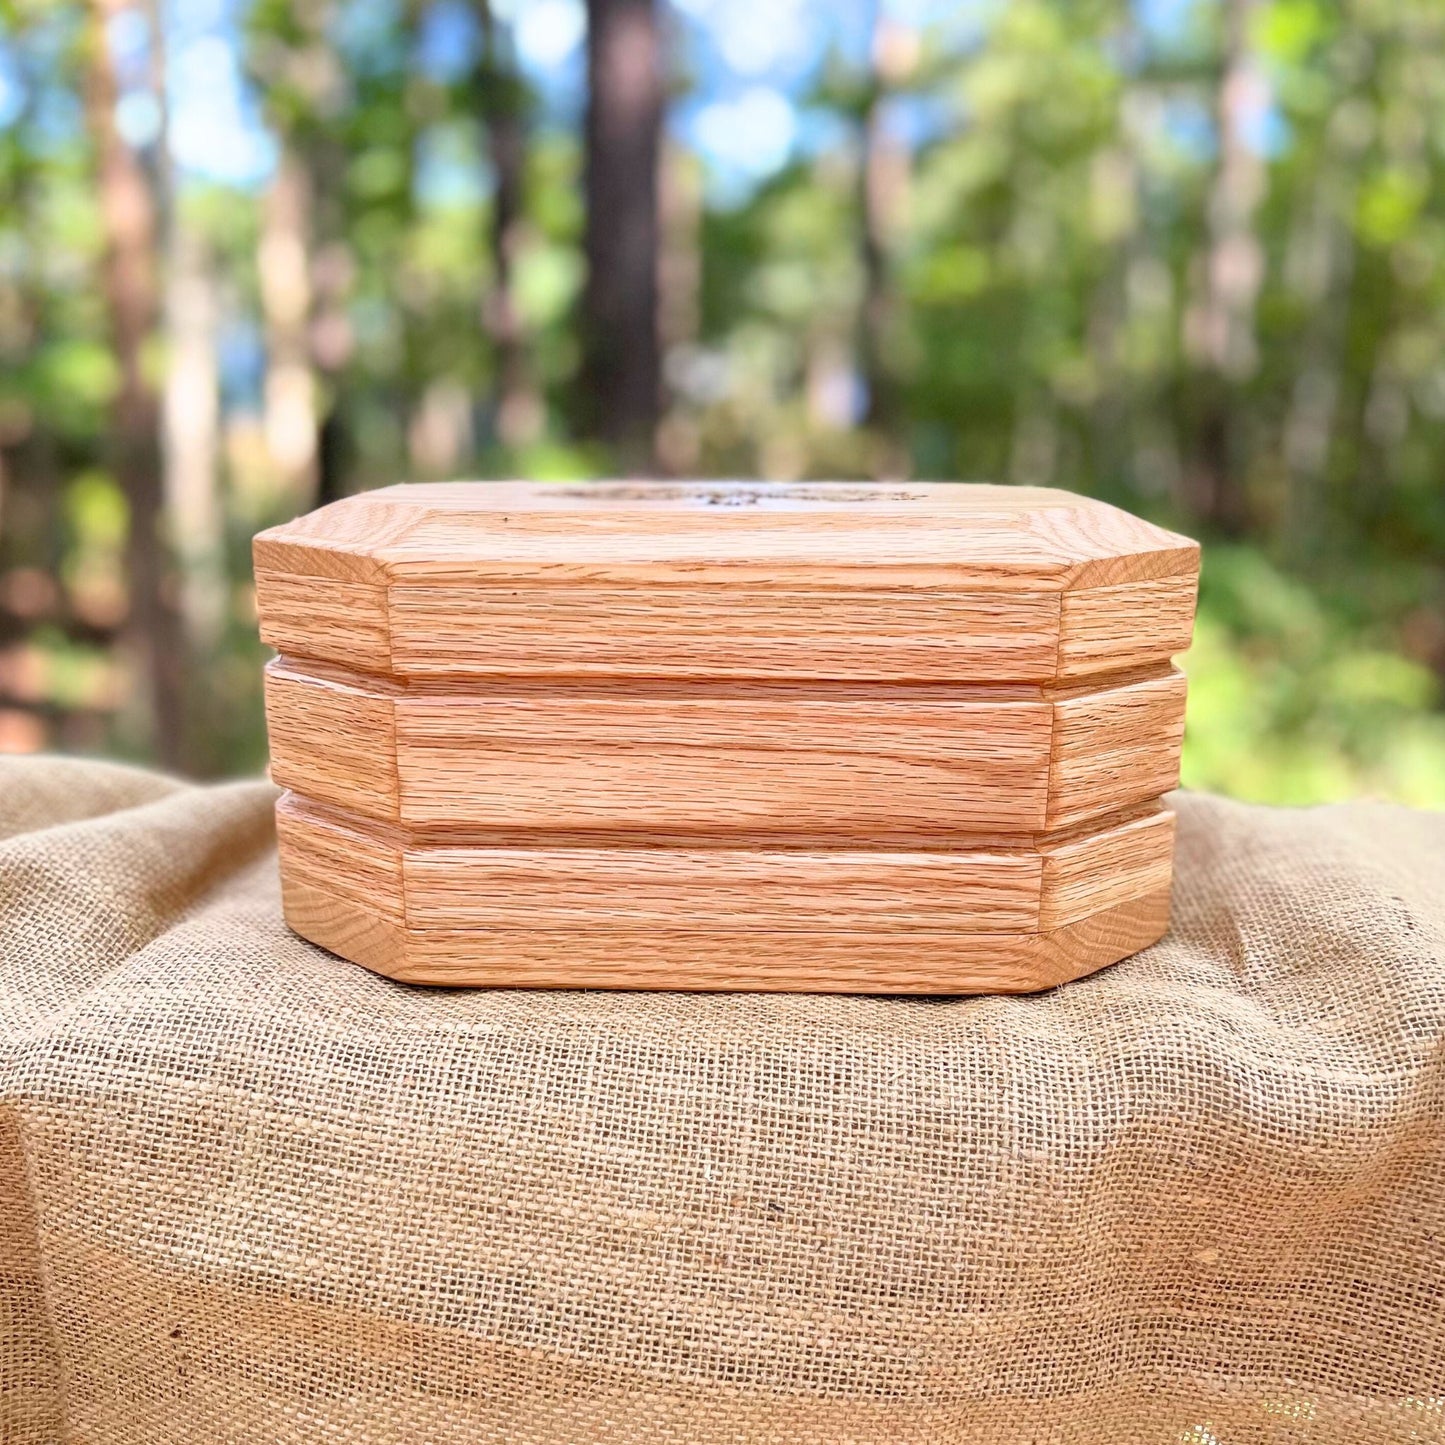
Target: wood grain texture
333, 741
1097, 871
721, 763
1109, 629
799, 962
343, 926
554, 887
861, 581
342, 541
935, 536
765, 632
354, 887
1115, 746
622, 890
357, 863
726, 735
725, 762
341, 622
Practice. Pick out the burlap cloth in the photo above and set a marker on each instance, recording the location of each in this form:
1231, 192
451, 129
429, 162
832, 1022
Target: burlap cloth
251, 1193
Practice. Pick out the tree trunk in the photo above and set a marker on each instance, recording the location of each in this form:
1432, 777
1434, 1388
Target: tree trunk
192, 439
129, 217
1219, 334
190, 427
284, 270
621, 379
501, 102
1236, 258
1309, 424
679, 298
883, 184
30, 533
303, 259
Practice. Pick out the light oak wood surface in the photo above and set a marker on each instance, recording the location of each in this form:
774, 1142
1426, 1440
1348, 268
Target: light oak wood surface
824, 534
766, 632
888, 583
694, 961
707, 735
1114, 745
1108, 629
726, 760
554, 884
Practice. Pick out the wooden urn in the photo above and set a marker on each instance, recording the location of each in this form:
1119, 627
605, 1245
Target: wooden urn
854, 738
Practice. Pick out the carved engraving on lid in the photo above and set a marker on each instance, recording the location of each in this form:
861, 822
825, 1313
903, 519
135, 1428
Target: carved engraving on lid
736, 494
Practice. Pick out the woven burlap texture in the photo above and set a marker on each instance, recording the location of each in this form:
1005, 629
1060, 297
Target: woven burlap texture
250, 1193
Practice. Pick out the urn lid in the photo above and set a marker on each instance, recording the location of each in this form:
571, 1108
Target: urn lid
858, 581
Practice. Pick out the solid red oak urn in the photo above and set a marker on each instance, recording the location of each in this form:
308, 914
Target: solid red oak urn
823, 736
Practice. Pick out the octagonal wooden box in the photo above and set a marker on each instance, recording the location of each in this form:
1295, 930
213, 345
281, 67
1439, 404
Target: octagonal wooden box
905, 738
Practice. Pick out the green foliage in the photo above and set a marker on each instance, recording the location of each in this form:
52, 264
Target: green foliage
1290, 703
1050, 259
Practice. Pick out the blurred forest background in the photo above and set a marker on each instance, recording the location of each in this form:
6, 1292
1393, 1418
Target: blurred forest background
1185, 255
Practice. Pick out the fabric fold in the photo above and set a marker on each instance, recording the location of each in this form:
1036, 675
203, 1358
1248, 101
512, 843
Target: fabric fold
249, 1192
